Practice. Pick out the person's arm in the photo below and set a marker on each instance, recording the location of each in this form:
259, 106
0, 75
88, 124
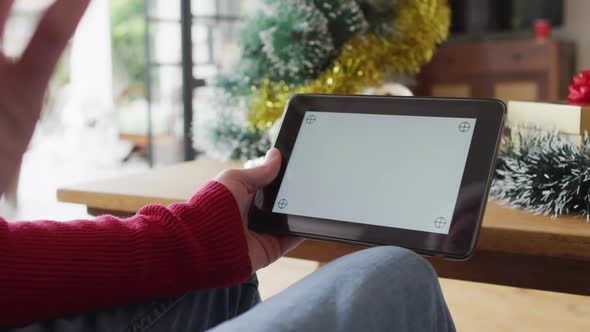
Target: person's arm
48, 269
51, 268
23, 81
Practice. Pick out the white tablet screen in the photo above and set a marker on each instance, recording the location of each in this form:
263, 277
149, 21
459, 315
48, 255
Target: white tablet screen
386, 170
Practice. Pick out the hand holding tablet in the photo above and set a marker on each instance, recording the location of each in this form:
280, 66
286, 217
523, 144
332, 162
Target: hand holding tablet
412, 172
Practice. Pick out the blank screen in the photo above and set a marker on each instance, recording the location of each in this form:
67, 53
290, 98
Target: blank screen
386, 170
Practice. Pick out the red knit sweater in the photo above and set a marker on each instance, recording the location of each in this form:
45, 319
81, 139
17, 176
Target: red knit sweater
49, 269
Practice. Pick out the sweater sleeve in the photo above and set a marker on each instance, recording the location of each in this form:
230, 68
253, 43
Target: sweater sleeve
49, 269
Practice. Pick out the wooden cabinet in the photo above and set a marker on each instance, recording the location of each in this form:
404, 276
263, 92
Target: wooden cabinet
507, 70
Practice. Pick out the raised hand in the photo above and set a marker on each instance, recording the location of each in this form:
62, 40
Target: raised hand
23, 81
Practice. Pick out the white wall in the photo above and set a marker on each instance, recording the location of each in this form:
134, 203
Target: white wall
577, 29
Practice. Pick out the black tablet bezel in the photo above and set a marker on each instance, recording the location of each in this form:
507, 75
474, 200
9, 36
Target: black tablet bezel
467, 217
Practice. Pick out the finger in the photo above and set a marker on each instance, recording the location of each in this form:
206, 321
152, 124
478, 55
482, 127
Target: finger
51, 37
258, 177
5, 6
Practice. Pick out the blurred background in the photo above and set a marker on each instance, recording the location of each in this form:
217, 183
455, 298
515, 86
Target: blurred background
136, 81
124, 93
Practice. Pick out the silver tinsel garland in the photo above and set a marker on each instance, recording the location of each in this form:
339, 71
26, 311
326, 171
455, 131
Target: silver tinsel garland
544, 172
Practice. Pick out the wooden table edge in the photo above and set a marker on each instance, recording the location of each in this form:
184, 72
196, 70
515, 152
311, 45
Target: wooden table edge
120, 203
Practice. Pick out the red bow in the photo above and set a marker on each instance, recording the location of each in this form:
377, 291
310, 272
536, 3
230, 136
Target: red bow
580, 90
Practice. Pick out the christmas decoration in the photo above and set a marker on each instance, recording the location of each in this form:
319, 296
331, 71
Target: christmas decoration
299, 44
543, 172
366, 60
228, 136
379, 15
580, 89
345, 19
321, 46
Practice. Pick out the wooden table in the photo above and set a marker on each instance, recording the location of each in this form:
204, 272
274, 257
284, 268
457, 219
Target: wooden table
515, 248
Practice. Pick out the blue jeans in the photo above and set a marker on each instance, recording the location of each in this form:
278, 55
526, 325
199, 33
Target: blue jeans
378, 289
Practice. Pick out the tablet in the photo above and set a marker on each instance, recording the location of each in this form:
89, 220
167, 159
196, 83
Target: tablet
375, 170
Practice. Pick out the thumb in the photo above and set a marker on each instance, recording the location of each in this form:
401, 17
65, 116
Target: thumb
258, 177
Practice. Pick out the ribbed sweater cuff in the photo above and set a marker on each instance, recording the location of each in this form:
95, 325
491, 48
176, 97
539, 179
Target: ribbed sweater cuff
214, 218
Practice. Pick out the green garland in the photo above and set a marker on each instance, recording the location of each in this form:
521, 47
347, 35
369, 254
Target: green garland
543, 172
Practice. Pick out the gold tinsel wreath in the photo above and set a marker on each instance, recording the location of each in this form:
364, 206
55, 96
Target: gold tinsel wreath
365, 60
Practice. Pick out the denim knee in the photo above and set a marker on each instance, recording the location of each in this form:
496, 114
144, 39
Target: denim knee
400, 288
394, 271
401, 260
378, 289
